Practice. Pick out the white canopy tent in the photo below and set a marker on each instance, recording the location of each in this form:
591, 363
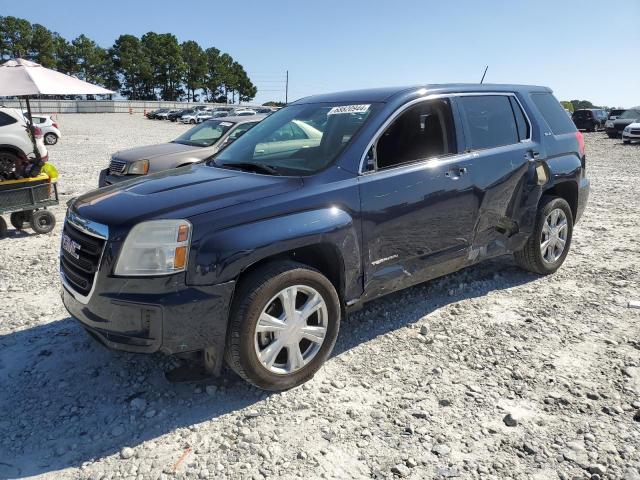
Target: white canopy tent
21, 78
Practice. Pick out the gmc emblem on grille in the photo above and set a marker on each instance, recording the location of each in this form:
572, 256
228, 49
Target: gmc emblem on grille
70, 246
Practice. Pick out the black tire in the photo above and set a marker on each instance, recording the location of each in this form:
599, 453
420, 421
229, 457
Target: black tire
530, 257
50, 138
3, 228
20, 220
42, 221
626, 141
9, 165
251, 297
611, 135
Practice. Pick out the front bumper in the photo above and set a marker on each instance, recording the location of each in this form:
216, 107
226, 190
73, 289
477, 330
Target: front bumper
150, 314
630, 136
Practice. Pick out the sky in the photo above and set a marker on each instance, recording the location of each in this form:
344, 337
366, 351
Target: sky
582, 49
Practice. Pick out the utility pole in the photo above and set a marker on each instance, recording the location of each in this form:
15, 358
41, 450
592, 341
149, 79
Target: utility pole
286, 90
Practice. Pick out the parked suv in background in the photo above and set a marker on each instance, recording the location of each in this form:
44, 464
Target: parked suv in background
632, 115
16, 147
590, 119
192, 146
255, 255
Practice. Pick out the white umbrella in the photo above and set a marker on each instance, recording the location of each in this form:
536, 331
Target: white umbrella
21, 78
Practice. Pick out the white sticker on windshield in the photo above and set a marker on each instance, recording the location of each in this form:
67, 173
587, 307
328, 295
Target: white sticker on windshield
226, 124
349, 109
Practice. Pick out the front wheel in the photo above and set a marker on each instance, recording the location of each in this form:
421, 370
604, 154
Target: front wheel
548, 245
284, 324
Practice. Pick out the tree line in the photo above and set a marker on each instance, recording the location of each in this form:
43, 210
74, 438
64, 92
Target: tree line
153, 67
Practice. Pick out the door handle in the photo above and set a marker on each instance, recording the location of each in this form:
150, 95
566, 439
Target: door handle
532, 155
455, 173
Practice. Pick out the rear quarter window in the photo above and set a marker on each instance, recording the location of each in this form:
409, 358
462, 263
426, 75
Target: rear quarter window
6, 119
555, 116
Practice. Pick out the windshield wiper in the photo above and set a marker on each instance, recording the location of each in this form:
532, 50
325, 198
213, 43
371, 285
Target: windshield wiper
258, 167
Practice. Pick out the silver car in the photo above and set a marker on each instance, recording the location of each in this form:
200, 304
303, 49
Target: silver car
195, 144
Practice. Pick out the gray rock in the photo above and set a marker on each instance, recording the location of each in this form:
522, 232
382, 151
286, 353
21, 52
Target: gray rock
401, 470
441, 450
511, 420
631, 474
338, 384
598, 469
449, 472
127, 452
138, 403
211, 390
424, 330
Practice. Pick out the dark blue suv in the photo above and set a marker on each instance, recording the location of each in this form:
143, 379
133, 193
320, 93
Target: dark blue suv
255, 255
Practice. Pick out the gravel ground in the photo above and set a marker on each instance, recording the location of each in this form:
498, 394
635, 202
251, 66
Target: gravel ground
488, 373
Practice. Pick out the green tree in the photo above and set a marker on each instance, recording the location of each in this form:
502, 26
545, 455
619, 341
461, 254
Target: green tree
580, 104
43, 47
212, 83
15, 34
567, 105
195, 74
90, 60
165, 57
133, 68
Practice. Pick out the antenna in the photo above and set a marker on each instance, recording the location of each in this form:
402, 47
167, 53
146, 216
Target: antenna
485, 72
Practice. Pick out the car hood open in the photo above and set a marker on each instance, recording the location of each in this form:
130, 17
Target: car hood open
178, 193
151, 151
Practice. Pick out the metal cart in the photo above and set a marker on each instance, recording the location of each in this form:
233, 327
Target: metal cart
27, 201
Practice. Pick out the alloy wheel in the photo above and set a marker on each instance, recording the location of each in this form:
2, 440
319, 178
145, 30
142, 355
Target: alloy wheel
291, 329
554, 236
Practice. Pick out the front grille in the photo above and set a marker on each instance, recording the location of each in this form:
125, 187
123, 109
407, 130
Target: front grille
635, 131
80, 272
117, 167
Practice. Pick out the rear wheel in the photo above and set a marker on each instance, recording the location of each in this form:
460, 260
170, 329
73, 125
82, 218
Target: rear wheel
548, 245
9, 165
284, 324
20, 220
42, 221
50, 138
3, 228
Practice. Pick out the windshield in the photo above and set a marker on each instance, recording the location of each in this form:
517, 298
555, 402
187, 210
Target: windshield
205, 134
298, 139
630, 114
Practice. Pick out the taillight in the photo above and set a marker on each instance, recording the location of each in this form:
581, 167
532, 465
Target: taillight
580, 138
37, 131
45, 158
55, 125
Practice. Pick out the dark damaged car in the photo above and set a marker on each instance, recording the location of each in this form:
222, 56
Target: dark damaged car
255, 255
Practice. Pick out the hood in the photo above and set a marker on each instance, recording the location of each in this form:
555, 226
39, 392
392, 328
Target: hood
151, 151
178, 193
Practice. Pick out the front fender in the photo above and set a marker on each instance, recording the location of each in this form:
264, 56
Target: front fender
221, 256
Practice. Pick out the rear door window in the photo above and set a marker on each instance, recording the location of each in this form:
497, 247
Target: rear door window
558, 121
489, 121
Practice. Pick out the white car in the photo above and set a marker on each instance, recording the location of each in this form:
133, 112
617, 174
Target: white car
631, 132
189, 118
50, 129
203, 115
244, 113
15, 144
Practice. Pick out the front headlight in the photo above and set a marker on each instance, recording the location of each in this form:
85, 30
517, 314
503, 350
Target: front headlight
141, 167
626, 129
157, 247
608, 123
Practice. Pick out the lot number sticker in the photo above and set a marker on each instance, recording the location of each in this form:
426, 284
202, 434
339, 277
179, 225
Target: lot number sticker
348, 109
